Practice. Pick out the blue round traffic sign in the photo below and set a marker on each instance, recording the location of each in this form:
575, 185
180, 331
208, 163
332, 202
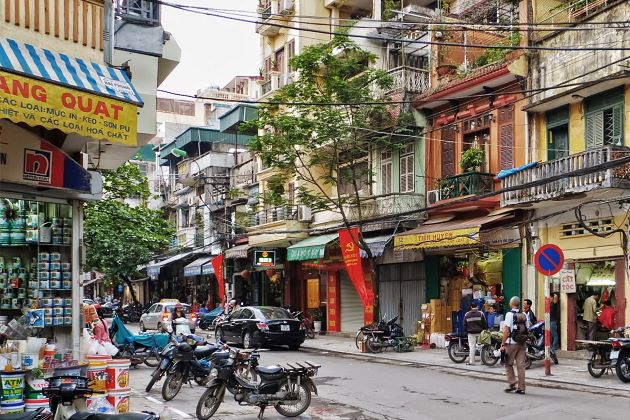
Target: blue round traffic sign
549, 259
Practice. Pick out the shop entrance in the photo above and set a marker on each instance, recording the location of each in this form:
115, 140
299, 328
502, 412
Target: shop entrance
402, 292
351, 305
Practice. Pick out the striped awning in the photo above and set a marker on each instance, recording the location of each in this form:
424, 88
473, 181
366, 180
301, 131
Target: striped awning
51, 66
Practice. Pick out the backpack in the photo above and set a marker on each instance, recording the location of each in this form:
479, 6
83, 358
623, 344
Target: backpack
519, 332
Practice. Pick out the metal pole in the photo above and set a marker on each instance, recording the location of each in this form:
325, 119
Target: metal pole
547, 328
77, 292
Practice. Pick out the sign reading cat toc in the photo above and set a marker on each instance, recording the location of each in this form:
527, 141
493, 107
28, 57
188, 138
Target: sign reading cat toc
567, 281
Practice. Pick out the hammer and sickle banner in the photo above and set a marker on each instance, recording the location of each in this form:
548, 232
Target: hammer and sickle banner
352, 259
217, 264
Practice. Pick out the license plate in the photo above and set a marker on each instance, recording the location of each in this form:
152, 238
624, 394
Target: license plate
614, 354
285, 328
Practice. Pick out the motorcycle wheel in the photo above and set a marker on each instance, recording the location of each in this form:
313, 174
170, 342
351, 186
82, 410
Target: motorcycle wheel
310, 332
172, 385
153, 360
300, 406
453, 351
358, 338
487, 356
155, 376
372, 345
218, 335
622, 368
595, 373
210, 401
134, 318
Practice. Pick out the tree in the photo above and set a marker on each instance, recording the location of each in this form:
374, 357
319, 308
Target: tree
119, 237
324, 141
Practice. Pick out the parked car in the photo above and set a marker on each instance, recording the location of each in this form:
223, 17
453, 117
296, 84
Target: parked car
105, 310
159, 316
260, 326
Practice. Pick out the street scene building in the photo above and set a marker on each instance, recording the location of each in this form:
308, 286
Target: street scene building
344, 177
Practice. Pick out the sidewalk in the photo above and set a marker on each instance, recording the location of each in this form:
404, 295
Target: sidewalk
569, 374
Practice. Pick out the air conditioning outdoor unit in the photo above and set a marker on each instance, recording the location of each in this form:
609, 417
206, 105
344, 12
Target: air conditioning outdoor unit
433, 196
304, 214
287, 6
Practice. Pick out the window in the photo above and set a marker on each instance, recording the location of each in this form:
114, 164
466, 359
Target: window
604, 119
557, 133
506, 137
407, 181
447, 147
362, 175
290, 54
386, 171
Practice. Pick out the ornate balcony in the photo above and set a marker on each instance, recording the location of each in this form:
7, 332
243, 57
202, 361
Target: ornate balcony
386, 205
469, 183
407, 79
618, 177
273, 214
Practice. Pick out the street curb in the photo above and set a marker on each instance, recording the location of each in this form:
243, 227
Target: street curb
488, 376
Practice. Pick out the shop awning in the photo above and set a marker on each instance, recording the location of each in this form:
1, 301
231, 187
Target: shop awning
377, 245
207, 269
194, 268
453, 233
153, 270
311, 248
239, 251
56, 91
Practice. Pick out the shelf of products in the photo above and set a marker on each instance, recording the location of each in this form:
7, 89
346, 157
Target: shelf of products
35, 260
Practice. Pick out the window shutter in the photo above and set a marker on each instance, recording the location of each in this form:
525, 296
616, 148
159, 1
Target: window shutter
594, 130
403, 174
406, 174
617, 137
506, 157
386, 177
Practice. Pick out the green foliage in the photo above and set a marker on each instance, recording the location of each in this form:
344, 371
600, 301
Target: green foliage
492, 55
388, 7
472, 158
119, 237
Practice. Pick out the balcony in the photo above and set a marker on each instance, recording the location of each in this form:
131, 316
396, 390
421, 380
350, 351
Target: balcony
276, 226
385, 205
469, 183
146, 12
267, 19
618, 177
273, 214
407, 79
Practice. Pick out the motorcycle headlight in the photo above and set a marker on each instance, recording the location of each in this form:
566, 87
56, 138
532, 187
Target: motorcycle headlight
214, 372
191, 341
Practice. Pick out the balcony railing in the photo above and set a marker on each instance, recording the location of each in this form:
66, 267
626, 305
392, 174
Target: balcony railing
273, 214
140, 11
573, 11
469, 183
267, 23
386, 205
618, 177
407, 79
266, 87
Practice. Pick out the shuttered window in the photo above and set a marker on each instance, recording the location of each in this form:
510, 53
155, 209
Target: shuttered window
448, 151
386, 172
407, 169
506, 156
603, 119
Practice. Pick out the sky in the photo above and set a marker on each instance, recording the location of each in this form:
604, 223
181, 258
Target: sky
214, 50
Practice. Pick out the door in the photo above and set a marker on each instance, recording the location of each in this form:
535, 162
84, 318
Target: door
351, 305
148, 316
558, 142
229, 327
402, 290
240, 323
448, 151
156, 315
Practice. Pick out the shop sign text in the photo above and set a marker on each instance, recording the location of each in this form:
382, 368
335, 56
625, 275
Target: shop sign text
567, 281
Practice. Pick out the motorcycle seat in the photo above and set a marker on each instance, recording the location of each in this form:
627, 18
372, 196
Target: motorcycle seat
269, 370
84, 415
204, 351
20, 416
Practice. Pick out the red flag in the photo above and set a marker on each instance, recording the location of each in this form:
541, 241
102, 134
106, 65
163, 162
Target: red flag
348, 239
217, 264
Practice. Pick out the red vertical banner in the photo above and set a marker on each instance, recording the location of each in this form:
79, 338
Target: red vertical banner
352, 258
333, 292
217, 264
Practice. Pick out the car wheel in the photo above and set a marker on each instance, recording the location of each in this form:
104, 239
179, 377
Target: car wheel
142, 328
247, 340
294, 347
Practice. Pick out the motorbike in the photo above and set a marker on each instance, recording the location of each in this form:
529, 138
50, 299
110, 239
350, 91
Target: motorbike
67, 401
491, 348
130, 313
536, 345
138, 348
307, 322
620, 356
188, 360
379, 337
287, 389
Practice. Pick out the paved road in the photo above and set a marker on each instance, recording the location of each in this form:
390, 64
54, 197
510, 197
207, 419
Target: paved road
355, 389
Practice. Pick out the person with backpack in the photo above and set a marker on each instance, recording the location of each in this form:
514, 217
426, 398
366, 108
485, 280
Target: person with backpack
474, 324
514, 338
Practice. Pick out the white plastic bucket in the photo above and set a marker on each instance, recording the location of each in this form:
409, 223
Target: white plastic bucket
12, 407
120, 400
118, 375
32, 405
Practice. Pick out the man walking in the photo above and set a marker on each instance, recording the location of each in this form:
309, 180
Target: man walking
590, 314
474, 324
514, 338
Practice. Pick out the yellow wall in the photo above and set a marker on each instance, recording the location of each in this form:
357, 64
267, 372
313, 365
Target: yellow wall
626, 117
576, 128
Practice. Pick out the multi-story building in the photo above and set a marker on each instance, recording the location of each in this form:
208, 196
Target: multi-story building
578, 127
71, 105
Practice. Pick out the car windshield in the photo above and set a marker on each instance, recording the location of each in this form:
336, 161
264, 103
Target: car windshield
185, 309
275, 313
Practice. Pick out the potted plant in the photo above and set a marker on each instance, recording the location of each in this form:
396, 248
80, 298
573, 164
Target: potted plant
472, 159
274, 66
316, 317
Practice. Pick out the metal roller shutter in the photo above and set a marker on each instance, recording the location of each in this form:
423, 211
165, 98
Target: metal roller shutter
402, 292
351, 305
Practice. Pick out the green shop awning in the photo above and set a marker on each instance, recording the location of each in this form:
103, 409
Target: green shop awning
311, 248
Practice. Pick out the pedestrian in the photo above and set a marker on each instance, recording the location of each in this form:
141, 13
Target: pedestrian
527, 310
474, 324
491, 315
590, 314
100, 329
513, 343
554, 316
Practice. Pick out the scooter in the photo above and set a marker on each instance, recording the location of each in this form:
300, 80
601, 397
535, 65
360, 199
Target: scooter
380, 337
536, 345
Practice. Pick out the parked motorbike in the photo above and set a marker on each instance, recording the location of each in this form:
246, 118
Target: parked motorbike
379, 337
130, 313
620, 357
491, 352
189, 361
307, 322
457, 346
138, 348
287, 389
536, 345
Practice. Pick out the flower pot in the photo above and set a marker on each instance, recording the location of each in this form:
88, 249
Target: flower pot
317, 326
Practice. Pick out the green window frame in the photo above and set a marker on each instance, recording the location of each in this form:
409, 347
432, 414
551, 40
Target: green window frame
603, 119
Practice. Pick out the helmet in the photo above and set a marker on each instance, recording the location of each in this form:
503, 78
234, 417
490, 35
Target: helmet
178, 306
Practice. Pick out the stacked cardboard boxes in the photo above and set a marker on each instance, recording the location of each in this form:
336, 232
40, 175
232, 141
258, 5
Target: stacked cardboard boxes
440, 316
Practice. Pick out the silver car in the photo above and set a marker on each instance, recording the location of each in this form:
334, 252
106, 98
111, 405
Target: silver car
159, 317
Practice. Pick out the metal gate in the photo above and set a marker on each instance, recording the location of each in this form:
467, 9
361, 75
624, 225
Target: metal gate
351, 306
402, 291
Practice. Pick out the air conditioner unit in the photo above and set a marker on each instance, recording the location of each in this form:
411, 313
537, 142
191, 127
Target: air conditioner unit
304, 214
433, 196
287, 7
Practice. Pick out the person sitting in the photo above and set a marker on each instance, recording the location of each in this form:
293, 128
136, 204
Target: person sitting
100, 329
203, 309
